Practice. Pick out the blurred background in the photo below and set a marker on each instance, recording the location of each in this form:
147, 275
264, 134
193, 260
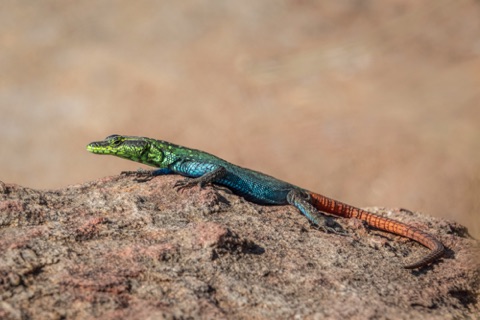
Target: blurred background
375, 103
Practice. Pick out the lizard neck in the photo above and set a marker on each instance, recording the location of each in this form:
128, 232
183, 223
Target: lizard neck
160, 154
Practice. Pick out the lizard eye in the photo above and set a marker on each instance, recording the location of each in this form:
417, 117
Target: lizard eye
116, 140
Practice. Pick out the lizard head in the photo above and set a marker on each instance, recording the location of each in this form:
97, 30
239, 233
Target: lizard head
127, 147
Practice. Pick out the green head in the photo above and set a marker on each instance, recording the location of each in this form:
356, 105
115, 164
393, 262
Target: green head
139, 149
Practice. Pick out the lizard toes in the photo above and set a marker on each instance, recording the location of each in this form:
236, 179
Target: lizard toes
137, 173
128, 173
335, 230
181, 185
331, 226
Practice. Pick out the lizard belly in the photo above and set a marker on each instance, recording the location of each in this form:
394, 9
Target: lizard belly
257, 189
254, 186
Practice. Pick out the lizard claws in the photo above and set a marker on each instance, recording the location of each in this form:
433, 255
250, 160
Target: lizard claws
137, 173
183, 184
331, 226
334, 230
141, 175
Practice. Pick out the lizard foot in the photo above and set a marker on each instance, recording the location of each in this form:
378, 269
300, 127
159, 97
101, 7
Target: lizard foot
137, 173
140, 173
331, 226
187, 183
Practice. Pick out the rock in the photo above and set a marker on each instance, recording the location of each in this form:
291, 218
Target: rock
123, 247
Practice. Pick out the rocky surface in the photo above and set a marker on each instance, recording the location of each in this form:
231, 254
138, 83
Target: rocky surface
121, 247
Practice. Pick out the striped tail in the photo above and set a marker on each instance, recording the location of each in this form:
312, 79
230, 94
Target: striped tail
334, 207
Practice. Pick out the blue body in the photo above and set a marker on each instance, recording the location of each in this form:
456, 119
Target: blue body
252, 185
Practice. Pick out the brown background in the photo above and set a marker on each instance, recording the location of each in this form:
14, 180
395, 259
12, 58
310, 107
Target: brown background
371, 102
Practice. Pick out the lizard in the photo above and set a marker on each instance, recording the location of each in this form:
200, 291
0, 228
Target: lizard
202, 168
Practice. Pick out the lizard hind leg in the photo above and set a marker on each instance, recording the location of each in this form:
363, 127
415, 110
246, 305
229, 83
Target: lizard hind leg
301, 200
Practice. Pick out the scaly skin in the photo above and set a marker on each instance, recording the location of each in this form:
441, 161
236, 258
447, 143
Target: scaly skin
254, 186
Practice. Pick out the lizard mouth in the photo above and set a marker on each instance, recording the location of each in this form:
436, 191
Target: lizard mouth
98, 147
122, 146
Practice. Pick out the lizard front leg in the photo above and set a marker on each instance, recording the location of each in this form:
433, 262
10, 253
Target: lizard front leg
145, 172
143, 175
208, 174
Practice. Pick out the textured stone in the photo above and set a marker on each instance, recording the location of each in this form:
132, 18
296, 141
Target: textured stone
120, 247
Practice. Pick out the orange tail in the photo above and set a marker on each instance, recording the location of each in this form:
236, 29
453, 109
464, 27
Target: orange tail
338, 208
